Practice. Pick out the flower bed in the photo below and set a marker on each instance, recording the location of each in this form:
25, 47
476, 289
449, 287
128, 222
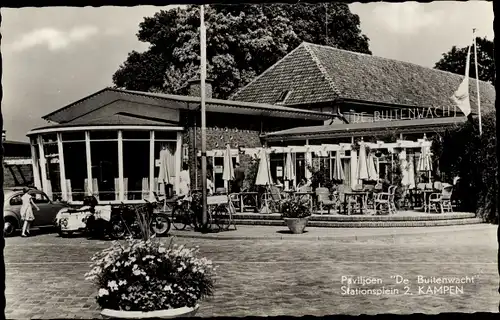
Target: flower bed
144, 275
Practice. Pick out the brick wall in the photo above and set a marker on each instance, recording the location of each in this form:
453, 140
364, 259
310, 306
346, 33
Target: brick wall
217, 138
10, 180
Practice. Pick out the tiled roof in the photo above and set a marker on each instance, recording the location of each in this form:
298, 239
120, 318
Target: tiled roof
315, 73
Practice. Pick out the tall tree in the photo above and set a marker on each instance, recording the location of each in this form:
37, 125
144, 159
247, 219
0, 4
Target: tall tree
243, 40
455, 59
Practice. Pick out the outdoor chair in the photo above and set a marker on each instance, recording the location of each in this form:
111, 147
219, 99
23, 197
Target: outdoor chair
438, 185
441, 200
384, 201
343, 204
272, 198
324, 199
370, 188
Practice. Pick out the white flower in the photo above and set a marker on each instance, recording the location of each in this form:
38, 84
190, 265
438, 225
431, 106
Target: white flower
118, 264
147, 278
161, 250
112, 285
103, 292
179, 269
122, 282
136, 272
168, 288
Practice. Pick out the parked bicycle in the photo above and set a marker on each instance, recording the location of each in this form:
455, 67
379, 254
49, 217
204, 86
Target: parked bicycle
127, 219
187, 212
222, 211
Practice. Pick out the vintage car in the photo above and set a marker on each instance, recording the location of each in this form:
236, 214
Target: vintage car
12, 207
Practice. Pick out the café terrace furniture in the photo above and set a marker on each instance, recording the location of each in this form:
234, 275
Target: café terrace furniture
441, 200
248, 200
325, 200
384, 201
355, 200
271, 199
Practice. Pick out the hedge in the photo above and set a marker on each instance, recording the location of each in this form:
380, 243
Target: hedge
462, 152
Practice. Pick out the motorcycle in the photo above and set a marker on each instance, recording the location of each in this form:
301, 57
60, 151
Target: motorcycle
71, 220
128, 219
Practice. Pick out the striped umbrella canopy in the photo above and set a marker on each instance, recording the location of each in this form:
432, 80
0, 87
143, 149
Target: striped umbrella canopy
362, 171
411, 172
424, 161
264, 172
405, 181
372, 168
338, 171
228, 174
289, 173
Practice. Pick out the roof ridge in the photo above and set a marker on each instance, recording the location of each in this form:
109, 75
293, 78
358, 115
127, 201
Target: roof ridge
265, 71
321, 68
392, 60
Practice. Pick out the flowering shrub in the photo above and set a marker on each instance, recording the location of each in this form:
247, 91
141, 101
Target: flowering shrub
146, 276
295, 207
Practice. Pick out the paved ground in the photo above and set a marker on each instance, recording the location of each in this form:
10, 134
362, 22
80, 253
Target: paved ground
45, 274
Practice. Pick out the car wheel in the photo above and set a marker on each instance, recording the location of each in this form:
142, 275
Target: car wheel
9, 227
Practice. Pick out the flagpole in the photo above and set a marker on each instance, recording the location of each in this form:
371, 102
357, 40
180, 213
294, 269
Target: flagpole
203, 75
477, 83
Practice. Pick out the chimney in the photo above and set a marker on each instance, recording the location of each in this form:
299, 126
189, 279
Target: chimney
194, 88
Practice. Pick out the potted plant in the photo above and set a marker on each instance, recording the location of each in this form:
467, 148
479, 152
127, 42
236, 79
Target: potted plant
296, 212
142, 278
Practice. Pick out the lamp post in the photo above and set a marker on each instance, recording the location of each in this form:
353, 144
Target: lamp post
203, 76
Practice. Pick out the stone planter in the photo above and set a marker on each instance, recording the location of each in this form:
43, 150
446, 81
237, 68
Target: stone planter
158, 314
296, 225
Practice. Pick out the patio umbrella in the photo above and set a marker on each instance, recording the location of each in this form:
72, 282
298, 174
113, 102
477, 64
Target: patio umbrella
372, 169
163, 174
338, 171
411, 172
289, 173
405, 181
362, 171
424, 161
228, 174
263, 173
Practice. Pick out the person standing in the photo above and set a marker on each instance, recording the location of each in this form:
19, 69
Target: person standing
239, 177
27, 212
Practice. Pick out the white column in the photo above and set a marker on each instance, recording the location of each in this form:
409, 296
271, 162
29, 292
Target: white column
151, 163
308, 160
178, 161
36, 168
121, 182
62, 172
90, 185
43, 166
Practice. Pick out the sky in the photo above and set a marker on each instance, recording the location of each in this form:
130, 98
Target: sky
55, 56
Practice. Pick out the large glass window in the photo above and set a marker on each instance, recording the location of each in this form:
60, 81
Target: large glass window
75, 168
104, 161
136, 164
52, 168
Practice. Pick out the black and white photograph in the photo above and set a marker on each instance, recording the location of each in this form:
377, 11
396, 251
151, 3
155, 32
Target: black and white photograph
265, 159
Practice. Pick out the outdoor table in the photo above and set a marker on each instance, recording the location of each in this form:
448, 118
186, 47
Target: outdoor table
254, 198
359, 196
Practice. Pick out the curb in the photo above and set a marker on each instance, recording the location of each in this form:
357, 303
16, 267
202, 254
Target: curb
306, 237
